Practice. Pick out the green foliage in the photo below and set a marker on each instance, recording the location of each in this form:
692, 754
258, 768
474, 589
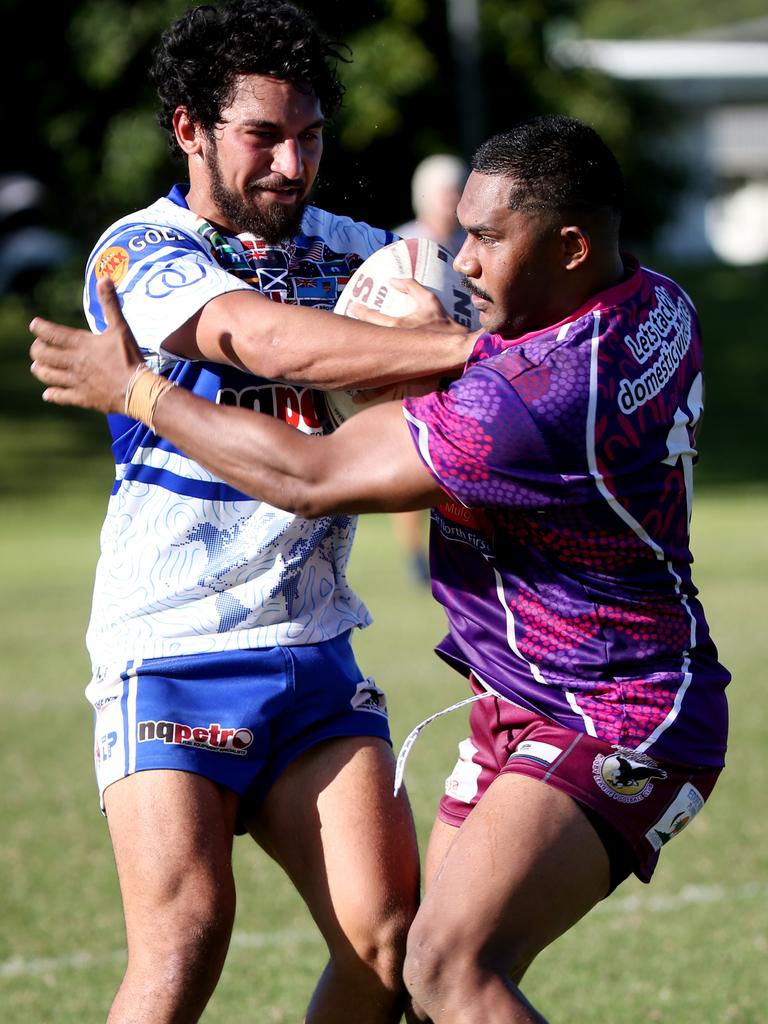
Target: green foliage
393, 56
653, 19
94, 141
133, 151
106, 39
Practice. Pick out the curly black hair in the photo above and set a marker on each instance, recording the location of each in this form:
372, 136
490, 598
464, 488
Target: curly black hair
555, 163
201, 55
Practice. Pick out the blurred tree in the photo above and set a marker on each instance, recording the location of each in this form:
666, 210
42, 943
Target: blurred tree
652, 19
78, 109
77, 114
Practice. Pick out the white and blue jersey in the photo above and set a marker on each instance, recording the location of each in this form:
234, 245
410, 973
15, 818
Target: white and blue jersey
188, 564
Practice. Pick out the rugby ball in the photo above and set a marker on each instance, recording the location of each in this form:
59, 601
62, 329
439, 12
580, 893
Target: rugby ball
429, 263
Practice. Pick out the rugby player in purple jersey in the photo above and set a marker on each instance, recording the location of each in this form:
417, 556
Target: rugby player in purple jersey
558, 468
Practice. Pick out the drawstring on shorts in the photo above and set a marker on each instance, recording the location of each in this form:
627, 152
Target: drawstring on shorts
413, 735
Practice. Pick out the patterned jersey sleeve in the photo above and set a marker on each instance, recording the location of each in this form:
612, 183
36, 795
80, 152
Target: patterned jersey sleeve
481, 444
163, 275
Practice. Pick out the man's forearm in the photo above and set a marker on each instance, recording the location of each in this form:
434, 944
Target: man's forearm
256, 454
369, 464
319, 349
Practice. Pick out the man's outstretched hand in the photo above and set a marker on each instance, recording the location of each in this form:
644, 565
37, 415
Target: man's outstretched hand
84, 369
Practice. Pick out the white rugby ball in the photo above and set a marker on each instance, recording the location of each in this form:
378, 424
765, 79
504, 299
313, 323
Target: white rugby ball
431, 265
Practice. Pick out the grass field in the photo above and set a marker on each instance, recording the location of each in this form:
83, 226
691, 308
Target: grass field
690, 949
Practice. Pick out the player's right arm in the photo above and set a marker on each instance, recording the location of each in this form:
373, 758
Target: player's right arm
180, 303
316, 348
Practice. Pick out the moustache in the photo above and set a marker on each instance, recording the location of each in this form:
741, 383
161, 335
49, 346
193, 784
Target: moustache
280, 184
474, 290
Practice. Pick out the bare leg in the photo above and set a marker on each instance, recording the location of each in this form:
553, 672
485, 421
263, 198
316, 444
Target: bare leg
350, 849
522, 869
172, 837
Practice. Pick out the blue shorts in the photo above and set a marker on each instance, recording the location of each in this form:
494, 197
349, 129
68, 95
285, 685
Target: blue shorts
236, 717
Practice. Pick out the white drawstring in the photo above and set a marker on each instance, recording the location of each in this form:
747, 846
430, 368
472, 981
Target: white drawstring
412, 736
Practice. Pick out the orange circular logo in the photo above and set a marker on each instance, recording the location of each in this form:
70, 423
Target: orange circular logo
113, 262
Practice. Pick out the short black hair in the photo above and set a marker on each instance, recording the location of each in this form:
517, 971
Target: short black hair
556, 163
203, 52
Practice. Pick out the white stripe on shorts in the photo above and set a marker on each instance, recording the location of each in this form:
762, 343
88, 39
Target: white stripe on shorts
130, 732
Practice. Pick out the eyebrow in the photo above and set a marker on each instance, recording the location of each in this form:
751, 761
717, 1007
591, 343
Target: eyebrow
253, 122
480, 229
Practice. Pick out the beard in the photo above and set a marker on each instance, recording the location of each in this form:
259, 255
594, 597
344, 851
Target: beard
273, 222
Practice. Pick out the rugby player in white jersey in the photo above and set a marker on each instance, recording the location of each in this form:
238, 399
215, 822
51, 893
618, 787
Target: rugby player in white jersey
225, 690
559, 471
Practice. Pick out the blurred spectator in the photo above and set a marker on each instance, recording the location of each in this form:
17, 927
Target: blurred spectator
28, 250
436, 188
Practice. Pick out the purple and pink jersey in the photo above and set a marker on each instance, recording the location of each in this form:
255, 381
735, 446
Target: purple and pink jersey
562, 556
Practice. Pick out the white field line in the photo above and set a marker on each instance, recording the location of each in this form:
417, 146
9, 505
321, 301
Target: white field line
689, 895
20, 967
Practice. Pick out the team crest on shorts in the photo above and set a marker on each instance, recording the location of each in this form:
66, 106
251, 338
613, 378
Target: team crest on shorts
626, 775
680, 813
368, 697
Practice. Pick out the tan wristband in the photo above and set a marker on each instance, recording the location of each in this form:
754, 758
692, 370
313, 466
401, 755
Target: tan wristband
142, 394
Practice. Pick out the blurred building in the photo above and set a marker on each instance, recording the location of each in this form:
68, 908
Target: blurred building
719, 79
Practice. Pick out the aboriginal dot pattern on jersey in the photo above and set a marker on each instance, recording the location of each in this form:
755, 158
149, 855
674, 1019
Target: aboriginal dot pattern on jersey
549, 635
466, 465
469, 424
604, 550
478, 399
628, 711
556, 392
567, 584
601, 550
624, 711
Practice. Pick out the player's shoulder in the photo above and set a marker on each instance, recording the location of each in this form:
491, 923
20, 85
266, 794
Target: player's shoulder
662, 284
604, 321
343, 234
141, 233
547, 350
649, 311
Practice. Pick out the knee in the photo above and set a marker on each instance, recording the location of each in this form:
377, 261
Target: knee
377, 946
425, 971
444, 966
172, 968
181, 940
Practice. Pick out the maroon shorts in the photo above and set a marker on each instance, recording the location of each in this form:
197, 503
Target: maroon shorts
635, 803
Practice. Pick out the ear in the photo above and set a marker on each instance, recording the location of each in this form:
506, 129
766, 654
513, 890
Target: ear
576, 246
189, 134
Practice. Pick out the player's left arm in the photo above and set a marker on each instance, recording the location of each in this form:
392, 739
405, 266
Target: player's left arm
369, 464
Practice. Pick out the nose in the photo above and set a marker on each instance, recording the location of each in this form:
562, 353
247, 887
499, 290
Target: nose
287, 159
465, 262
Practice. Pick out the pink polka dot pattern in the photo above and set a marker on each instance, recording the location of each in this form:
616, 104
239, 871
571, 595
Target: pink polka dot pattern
563, 559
